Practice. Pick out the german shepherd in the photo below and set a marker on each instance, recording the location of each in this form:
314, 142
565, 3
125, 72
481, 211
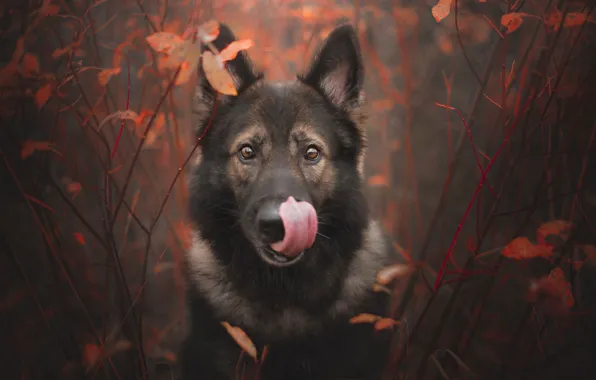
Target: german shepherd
283, 245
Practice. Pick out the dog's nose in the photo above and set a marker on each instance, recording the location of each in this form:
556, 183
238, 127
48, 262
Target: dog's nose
269, 223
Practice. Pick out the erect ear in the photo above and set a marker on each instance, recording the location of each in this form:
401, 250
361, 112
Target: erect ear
240, 69
337, 71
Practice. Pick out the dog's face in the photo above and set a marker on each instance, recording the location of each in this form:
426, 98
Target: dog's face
281, 162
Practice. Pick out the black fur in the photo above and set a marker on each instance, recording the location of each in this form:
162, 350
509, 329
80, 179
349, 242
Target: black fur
220, 213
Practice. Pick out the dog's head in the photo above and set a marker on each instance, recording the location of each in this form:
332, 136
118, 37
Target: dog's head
280, 167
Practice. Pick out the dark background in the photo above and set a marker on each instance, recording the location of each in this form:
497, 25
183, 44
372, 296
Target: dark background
91, 245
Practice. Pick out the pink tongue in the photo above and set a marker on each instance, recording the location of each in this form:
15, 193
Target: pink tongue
300, 225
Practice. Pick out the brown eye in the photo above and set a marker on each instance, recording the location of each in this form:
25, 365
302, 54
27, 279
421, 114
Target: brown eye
312, 154
246, 153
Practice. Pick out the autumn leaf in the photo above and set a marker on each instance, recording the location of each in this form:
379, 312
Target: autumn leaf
365, 318
552, 293
385, 323
390, 273
73, 188
30, 146
43, 94
231, 51
119, 115
378, 288
553, 228
441, 10
512, 21
521, 248
48, 9
186, 55
104, 75
163, 42
217, 75
160, 267
208, 31
30, 65
241, 339
377, 180
91, 355
79, 238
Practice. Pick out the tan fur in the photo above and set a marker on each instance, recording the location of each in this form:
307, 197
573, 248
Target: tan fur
210, 279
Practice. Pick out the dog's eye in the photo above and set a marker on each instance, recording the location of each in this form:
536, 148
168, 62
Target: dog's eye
312, 154
246, 153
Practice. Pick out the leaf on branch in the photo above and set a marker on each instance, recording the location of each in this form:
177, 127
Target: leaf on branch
48, 9
378, 180
560, 228
29, 147
241, 339
512, 21
217, 75
187, 55
93, 354
30, 65
119, 115
163, 42
385, 323
43, 94
552, 293
208, 31
441, 10
521, 248
104, 76
365, 318
231, 51
390, 273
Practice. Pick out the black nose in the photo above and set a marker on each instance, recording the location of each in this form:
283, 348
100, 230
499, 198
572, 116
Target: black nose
269, 223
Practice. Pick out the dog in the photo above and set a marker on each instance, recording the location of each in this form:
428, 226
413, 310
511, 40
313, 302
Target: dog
283, 245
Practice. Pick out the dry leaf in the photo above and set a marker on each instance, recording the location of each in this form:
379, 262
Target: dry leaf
30, 146
365, 318
30, 65
441, 10
104, 76
521, 248
163, 42
79, 238
43, 94
242, 339
91, 355
208, 31
119, 115
512, 21
48, 9
73, 188
385, 323
553, 228
231, 51
390, 273
217, 75
187, 55
377, 180
378, 288
552, 293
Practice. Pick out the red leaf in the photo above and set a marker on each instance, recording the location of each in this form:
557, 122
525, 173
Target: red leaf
43, 94
441, 10
552, 293
385, 323
231, 51
79, 238
163, 42
512, 21
554, 227
521, 248
30, 64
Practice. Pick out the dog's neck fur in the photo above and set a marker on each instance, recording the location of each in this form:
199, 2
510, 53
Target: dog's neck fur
208, 276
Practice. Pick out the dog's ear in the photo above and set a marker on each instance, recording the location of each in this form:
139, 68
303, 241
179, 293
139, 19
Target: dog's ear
240, 69
337, 71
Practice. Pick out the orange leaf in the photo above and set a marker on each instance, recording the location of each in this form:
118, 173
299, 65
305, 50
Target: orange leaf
385, 323
74, 188
390, 273
187, 55
43, 94
231, 51
552, 292
29, 147
554, 227
163, 42
208, 31
365, 318
160, 267
378, 288
79, 238
441, 10
104, 76
512, 21
382, 105
30, 64
217, 75
521, 248
242, 339
575, 19
48, 9
378, 180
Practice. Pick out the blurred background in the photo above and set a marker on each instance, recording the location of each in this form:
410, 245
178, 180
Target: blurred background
481, 166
